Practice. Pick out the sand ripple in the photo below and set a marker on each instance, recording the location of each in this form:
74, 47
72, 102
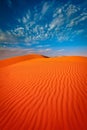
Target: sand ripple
44, 94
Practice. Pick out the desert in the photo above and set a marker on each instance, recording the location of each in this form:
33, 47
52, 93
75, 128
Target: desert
41, 93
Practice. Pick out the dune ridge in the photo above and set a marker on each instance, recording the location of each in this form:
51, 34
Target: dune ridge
44, 94
17, 59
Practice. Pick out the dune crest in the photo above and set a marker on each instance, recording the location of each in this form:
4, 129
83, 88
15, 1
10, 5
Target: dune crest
44, 94
18, 59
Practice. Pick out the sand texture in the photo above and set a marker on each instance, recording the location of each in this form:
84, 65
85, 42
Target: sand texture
38, 93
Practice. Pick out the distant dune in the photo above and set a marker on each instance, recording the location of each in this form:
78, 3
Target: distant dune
18, 59
43, 93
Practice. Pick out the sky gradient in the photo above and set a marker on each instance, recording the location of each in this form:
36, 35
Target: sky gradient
47, 27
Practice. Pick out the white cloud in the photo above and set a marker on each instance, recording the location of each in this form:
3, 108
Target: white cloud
48, 49
82, 19
33, 29
80, 31
9, 52
5, 36
2, 35
24, 19
71, 24
46, 25
32, 23
45, 8
19, 32
45, 50
57, 12
58, 21
76, 20
46, 34
84, 14
19, 20
28, 39
60, 50
19, 28
77, 32
27, 16
27, 27
72, 9
63, 38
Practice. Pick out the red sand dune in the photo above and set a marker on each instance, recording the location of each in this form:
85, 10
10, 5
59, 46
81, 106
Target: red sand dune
44, 94
17, 59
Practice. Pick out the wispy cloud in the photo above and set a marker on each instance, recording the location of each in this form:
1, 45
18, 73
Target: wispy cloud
60, 50
24, 19
45, 8
10, 52
57, 22
71, 9
5, 36
35, 27
19, 32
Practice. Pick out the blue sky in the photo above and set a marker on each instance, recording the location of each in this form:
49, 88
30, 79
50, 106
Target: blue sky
57, 27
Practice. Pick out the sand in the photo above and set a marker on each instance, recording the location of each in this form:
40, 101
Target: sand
17, 59
43, 93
